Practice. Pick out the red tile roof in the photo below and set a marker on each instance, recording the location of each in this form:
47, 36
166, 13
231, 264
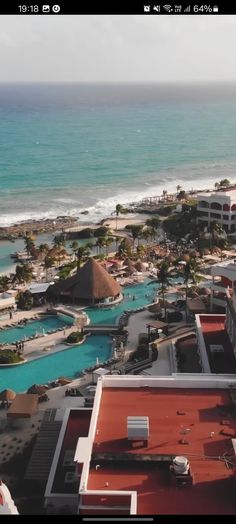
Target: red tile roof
77, 426
214, 332
200, 410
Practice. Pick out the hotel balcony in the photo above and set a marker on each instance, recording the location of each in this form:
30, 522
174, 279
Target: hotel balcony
220, 287
219, 301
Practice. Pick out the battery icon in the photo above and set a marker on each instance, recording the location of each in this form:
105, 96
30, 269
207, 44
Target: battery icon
215, 8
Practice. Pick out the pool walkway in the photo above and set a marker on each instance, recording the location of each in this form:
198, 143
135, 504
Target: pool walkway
20, 315
47, 344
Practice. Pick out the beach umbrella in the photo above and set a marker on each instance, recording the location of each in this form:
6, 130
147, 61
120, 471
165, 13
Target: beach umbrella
63, 381
37, 390
7, 395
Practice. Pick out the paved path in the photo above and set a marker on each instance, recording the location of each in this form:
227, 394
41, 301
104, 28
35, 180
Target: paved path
20, 315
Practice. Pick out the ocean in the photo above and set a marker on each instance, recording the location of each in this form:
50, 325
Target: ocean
69, 148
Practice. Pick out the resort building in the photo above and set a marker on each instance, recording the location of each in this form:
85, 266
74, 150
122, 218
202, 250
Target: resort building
216, 338
148, 441
92, 285
218, 206
38, 291
223, 281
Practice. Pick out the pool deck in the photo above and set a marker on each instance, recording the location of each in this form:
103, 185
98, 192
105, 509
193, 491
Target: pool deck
136, 325
20, 315
47, 344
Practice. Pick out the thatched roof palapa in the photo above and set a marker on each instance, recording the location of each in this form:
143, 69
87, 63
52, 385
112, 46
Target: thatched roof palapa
7, 395
23, 406
92, 282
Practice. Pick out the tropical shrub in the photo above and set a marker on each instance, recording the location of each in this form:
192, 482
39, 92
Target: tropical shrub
25, 301
8, 356
75, 337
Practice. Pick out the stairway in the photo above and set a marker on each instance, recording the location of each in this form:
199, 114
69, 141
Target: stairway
43, 452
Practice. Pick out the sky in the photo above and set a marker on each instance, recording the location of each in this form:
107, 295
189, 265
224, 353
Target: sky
112, 48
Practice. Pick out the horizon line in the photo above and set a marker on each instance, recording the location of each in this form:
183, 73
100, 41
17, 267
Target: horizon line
114, 82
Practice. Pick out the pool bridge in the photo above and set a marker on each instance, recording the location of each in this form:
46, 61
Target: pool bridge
102, 328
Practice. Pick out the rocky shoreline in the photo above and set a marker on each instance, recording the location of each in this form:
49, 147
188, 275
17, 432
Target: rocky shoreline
36, 227
147, 206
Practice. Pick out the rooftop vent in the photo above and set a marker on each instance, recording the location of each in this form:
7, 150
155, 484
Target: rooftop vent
181, 475
138, 428
180, 465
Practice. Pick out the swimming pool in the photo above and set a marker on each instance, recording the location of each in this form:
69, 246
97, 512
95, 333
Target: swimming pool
143, 294
40, 326
69, 362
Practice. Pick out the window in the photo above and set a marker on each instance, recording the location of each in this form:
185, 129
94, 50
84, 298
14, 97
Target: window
203, 203
215, 215
215, 205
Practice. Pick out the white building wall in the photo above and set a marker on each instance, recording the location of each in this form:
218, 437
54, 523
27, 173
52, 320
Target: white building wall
205, 201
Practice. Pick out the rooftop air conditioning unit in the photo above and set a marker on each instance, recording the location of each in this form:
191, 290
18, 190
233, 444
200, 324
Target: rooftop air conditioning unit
137, 428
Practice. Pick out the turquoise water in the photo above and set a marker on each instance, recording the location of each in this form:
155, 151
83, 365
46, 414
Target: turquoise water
69, 362
143, 293
6, 248
88, 147
77, 358
13, 334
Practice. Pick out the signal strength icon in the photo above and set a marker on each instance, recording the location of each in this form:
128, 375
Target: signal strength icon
168, 8
188, 9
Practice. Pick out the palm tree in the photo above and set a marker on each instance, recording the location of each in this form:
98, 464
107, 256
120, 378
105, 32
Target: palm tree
136, 231
44, 248
198, 234
190, 273
153, 223
74, 246
59, 240
178, 188
49, 262
163, 280
164, 192
25, 301
89, 245
5, 283
125, 248
141, 251
108, 242
216, 232
23, 273
101, 242
223, 244
148, 233
225, 182
119, 209
82, 255
30, 245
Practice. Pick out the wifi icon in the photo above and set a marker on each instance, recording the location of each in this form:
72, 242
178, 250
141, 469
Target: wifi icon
168, 8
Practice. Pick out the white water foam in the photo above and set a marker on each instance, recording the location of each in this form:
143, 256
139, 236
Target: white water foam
197, 177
